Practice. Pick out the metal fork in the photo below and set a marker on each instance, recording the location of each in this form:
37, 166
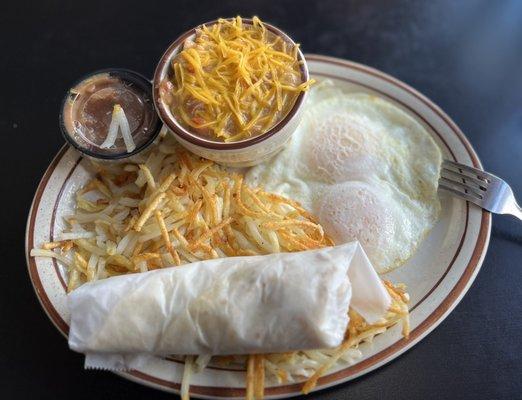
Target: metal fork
479, 187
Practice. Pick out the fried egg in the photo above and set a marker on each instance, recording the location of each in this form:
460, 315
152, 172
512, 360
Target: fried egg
365, 168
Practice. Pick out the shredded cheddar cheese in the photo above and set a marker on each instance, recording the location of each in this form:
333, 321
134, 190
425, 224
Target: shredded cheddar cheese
235, 80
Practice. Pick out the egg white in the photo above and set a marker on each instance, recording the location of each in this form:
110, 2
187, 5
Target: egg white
365, 168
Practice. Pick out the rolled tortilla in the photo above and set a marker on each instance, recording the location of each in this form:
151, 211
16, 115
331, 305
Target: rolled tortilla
237, 305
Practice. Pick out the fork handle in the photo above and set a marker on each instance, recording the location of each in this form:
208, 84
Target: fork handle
514, 209
517, 212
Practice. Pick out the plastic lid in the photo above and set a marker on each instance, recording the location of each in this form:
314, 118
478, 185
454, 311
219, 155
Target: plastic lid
87, 111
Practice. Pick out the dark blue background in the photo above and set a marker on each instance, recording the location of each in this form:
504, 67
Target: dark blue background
464, 55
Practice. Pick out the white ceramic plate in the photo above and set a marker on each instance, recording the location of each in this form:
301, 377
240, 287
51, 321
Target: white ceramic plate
437, 276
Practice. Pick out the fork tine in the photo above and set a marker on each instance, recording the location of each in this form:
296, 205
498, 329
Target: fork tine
473, 183
462, 187
492, 194
469, 171
460, 194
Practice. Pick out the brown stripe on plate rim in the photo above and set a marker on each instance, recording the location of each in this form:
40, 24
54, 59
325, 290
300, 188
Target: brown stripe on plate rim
48, 307
53, 219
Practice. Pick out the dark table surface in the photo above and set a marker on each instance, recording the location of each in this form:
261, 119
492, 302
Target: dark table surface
465, 55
